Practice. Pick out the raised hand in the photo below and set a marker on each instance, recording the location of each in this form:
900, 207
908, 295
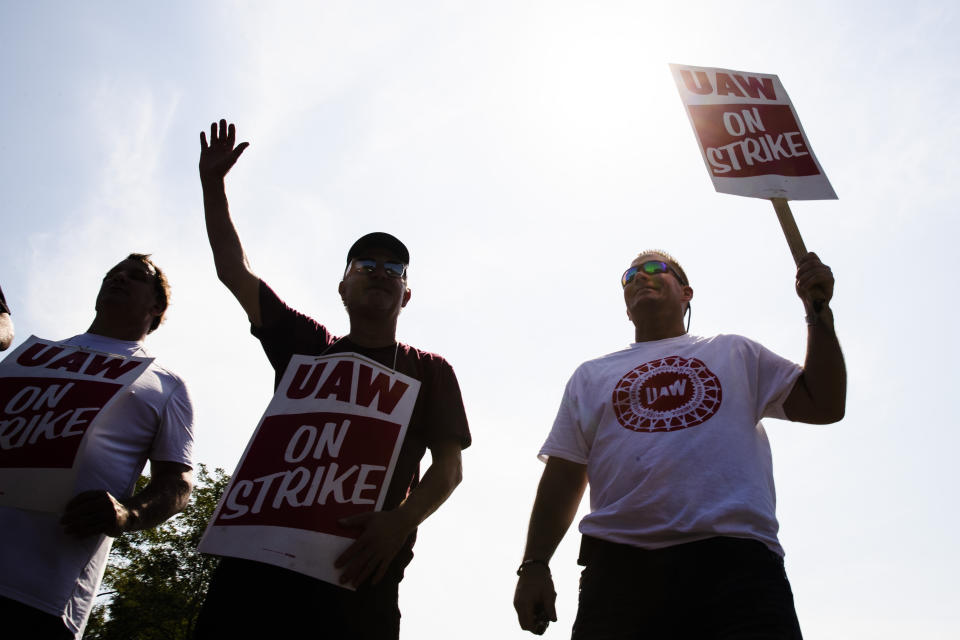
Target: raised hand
219, 156
814, 282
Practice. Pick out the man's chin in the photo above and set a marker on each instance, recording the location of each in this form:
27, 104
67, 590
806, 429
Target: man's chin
374, 309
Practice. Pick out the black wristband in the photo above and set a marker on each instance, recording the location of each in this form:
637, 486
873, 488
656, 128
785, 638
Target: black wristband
527, 563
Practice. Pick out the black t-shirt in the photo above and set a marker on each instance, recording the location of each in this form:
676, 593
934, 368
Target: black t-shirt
3, 304
438, 413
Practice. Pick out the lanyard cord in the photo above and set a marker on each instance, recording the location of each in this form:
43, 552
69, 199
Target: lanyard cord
396, 348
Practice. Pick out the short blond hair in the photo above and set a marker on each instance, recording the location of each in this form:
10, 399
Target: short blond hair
669, 259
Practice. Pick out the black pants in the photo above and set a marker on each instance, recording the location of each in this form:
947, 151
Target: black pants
19, 621
255, 600
720, 588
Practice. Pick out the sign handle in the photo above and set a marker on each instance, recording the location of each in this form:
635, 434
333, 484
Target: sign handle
792, 233
790, 230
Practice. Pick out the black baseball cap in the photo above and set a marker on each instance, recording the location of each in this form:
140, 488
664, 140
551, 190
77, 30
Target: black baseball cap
379, 240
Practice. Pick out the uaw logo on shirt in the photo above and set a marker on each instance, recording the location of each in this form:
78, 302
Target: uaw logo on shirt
667, 395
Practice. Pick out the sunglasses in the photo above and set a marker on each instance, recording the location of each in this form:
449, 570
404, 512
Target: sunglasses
650, 267
392, 269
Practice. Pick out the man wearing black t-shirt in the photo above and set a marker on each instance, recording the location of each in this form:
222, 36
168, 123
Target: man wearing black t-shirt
247, 597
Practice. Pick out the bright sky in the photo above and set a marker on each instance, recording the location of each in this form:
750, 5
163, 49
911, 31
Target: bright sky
525, 152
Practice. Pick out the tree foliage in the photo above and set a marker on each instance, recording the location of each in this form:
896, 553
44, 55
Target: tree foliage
156, 579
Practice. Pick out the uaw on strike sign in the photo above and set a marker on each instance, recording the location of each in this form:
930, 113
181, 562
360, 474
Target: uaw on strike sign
51, 397
750, 135
325, 449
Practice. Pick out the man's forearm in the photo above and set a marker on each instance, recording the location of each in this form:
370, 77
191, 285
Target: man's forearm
99, 512
164, 497
228, 255
558, 497
820, 394
440, 479
233, 270
824, 368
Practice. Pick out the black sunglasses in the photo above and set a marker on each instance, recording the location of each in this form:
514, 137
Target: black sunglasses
392, 269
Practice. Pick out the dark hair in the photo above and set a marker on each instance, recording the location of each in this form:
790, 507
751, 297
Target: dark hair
160, 285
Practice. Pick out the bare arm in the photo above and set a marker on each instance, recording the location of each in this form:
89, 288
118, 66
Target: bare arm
96, 512
820, 393
558, 496
216, 160
384, 532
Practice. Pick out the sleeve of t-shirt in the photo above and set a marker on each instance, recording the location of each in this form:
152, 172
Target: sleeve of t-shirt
3, 303
567, 439
284, 330
447, 419
174, 439
775, 377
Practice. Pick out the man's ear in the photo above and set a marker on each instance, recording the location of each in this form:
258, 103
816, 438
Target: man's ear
340, 289
406, 297
159, 307
687, 293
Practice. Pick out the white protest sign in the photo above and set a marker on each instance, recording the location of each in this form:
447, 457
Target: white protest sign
749, 135
325, 449
51, 397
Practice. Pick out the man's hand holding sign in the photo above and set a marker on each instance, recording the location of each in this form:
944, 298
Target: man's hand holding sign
751, 140
306, 493
78, 418
384, 533
668, 433
97, 511
753, 145
328, 493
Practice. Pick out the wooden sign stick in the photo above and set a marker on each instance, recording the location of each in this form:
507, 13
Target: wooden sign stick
792, 233
790, 230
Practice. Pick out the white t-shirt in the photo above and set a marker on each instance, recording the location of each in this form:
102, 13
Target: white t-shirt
48, 570
670, 432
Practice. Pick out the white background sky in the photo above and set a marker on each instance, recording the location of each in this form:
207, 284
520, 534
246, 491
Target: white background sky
525, 152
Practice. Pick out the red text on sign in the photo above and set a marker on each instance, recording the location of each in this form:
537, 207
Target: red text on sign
91, 364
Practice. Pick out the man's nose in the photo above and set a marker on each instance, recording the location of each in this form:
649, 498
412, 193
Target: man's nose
380, 271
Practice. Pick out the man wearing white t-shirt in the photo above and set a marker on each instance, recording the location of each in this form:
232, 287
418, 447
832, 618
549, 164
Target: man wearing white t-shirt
51, 564
681, 538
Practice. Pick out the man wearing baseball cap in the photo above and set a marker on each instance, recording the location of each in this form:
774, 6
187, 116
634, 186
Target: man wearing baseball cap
249, 597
